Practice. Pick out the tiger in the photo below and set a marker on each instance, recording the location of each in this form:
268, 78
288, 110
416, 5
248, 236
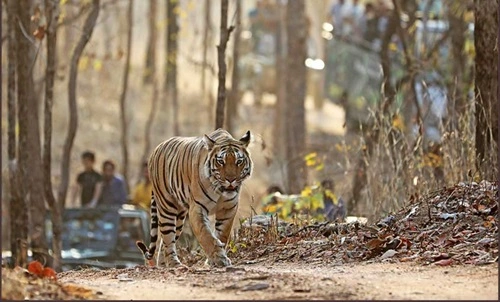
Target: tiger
196, 177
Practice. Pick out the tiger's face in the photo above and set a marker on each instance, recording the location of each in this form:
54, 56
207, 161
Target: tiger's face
229, 163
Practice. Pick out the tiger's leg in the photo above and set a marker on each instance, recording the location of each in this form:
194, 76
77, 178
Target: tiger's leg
181, 217
224, 218
213, 247
167, 226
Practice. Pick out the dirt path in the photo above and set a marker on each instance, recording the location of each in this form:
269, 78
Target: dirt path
290, 281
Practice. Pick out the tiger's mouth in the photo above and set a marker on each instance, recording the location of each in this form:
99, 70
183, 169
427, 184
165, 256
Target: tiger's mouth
230, 189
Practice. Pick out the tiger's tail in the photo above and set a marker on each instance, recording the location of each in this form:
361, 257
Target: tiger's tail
150, 252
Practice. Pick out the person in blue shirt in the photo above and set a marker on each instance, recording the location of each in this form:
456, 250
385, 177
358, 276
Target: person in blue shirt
114, 191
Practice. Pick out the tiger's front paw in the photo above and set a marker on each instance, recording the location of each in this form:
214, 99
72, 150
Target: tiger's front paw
219, 260
173, 262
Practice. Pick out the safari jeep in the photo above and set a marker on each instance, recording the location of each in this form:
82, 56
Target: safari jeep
99, 237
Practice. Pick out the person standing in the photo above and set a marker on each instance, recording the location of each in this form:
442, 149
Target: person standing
141, 195
114, 192
336, 16
88, 183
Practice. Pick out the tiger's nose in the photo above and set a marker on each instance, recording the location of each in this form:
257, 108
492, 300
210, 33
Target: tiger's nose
230, 179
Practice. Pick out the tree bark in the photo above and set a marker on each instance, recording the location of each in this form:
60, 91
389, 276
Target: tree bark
17, 205
206, 30
29, 134
88, 29
232, 108
172, 46
280, 118
225, 32
371, 135
149, 122
296, 90
52, 14
123, 96
150, 64
486, 61
154, 97
458, 85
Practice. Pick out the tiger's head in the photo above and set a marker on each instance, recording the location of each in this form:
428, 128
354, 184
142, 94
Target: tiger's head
228, 163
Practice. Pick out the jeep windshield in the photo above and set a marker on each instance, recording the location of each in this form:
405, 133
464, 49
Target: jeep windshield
88, 229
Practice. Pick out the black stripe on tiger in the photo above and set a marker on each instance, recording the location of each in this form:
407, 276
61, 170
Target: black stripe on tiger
167, 232
229, 209
205, 192
201, 205
166, 224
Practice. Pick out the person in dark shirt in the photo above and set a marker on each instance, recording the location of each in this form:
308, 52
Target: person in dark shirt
88, 183
114, 192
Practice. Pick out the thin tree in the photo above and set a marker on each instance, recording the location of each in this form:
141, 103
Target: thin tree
123, 96
171, 64
154, 100
457, 31
225, 32
150, 63
206, 30
88, 29
388, 96
486, 83
280, 67
296, 90
232, 106
149, 122
29, 133
52, 14
17, 207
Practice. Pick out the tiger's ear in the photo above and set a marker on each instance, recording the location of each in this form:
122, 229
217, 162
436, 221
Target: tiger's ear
208, 142
245, 139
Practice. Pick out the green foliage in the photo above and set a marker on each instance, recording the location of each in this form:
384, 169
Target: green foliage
233, 247
312, 160
309, 204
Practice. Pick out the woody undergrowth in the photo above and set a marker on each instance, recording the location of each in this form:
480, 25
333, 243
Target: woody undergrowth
404, 168
401, 171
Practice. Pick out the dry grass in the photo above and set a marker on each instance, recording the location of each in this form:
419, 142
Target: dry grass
403, 165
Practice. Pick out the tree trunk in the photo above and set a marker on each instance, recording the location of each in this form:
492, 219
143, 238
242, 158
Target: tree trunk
171, 78
296, 90
371, 135
486, 61
407, 39
206, 30
225, 32
232, 108
397, 144
123, 96
150, 64
17, 206
149, 122
280, 118
29, 135
52, 14
458, 86
154, 97
88, 29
